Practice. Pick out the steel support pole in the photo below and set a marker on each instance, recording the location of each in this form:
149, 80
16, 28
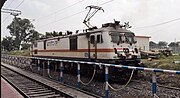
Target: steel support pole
61, 72
38, 65
154, 84
106, 82
48, 69
78, 75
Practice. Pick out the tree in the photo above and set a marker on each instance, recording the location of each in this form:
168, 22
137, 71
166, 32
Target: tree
55, 34
152, 45
48, 34
52, 34
19, 29
60, 33
34, 35
8, 43
173, 44
25, 46
162, 44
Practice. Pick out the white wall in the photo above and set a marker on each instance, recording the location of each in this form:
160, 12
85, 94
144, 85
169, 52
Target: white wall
142, 42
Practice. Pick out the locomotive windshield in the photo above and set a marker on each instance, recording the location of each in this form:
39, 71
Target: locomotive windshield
120, 37
129, 38
115, 37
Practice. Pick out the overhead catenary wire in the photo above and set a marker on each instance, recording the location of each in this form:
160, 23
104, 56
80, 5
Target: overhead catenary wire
61, 19
15, 8
9, 4
59, 10
70, 15
154, 25
106, 2
19, 4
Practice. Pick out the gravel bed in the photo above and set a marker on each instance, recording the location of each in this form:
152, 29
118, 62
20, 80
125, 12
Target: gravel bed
133, 90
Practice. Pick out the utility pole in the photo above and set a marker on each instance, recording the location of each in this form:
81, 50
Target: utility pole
14, 13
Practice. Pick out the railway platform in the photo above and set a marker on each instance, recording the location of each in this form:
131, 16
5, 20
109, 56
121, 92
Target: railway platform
7, 91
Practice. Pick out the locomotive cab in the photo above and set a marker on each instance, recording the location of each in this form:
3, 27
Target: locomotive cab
118, 39
124, 45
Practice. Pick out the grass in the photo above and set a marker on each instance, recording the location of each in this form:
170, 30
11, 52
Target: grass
163, 62
18, 52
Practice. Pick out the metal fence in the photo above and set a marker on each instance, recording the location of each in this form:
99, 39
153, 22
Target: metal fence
27, 61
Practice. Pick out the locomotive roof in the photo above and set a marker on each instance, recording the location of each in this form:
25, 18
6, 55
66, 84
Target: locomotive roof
106, 28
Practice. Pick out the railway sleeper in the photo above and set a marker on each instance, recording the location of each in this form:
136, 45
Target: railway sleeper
42, 94
29, 85
32, 88
38, 92
23, 82
51, 96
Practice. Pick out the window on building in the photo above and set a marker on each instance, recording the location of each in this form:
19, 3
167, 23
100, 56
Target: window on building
73, 43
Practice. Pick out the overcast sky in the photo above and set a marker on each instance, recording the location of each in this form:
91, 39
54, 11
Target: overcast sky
159, 19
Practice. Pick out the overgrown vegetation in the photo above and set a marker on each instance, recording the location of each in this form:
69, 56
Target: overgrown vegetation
163, 62
18, 52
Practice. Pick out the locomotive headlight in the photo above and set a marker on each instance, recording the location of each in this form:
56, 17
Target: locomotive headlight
126, 50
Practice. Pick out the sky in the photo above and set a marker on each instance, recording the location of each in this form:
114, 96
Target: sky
159, 19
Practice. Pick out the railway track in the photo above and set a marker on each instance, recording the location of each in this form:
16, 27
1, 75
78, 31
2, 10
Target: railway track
31, 88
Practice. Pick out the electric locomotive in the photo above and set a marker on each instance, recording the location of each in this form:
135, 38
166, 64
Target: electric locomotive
112, 43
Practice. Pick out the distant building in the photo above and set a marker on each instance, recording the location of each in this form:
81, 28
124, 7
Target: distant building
142, 42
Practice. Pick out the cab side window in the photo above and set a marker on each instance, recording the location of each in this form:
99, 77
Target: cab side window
92, 39
99, 38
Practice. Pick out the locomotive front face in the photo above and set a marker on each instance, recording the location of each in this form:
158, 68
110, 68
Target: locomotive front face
124, 45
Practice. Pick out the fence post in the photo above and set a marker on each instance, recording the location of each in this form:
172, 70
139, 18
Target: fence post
30, 63
61, 71
38, 66
13, 60
154, 84
106, 82
19, 62
9, 60
43, 67
78, 75
48, 70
